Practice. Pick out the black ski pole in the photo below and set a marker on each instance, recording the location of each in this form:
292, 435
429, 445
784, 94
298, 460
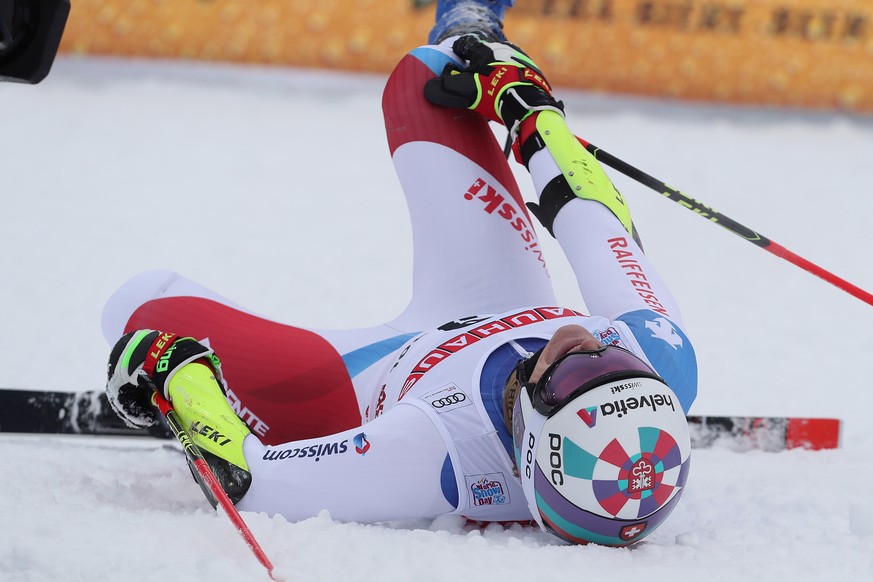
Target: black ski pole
724, 221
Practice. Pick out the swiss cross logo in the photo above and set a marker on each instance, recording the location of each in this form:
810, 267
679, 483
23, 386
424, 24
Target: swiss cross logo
632, 532
642, 476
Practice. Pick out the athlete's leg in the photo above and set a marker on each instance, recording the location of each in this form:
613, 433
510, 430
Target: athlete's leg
286, 382
475, 248
475, 252
395, 467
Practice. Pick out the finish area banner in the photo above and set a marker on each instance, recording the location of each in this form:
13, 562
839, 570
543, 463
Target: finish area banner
792, 53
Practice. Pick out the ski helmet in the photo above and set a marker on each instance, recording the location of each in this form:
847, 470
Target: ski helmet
601, 445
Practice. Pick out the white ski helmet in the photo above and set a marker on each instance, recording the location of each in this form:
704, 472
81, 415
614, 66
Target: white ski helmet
601, 445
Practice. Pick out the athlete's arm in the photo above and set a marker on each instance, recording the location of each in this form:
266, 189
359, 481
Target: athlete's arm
388, 469
615, 277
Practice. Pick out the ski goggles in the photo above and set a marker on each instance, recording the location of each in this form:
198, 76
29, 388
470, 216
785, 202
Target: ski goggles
576, 373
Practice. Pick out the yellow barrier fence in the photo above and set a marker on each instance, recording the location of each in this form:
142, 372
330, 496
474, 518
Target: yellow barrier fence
797, 53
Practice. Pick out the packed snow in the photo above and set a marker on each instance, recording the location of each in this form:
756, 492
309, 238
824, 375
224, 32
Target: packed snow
274, 188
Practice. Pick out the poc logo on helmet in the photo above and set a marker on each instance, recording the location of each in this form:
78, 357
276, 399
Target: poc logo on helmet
555, 458
529, 454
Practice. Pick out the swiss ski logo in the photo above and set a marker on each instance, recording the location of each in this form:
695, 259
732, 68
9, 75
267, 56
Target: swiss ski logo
642, 476
662, 329
507, 209
588, 416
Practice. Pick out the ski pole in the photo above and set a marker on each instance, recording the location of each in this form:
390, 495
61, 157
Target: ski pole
724, 221
210, 485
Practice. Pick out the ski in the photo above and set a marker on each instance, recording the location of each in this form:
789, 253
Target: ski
89, 413
743, 433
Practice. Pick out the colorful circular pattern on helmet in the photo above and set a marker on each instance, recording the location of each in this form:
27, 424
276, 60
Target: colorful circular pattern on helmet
609, 468
639, 476
635, 490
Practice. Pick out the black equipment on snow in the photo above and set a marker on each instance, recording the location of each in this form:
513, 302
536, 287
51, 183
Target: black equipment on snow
30, 34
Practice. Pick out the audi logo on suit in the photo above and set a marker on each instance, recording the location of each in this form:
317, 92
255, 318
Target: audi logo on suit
455, 398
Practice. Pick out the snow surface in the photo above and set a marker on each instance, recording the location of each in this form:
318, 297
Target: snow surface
274, 188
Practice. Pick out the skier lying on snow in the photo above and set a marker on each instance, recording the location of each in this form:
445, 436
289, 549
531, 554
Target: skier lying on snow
539, 412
